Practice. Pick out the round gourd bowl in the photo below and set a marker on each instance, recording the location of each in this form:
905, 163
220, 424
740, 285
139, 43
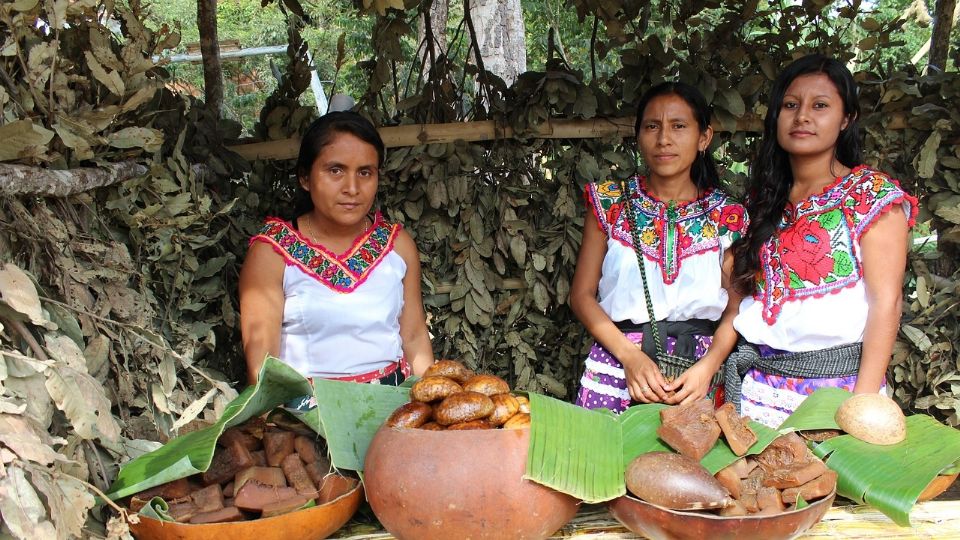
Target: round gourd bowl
656, 522
440, 485
937, 486
309, 524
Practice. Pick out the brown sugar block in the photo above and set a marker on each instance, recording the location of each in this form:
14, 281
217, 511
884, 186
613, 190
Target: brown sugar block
223, 515
691, 429
268, 476
729, 479
254, 427
238, 434
181, 512
735, 430
253, 496
284, 507
306, 448
317, 470
297, 476
796, 475
277, 444
227, 463
335, 486
208, 499
768, 497
748, 491
783, 452
171, 490
812, 490
259, 458
228, 491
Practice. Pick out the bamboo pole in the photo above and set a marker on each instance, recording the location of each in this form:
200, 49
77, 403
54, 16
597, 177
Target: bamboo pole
489, 130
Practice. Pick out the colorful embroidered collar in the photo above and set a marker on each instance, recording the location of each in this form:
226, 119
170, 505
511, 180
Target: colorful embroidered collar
669, 232
816, 250
342, 273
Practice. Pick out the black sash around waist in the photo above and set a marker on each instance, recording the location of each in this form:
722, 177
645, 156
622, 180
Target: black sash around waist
683, 331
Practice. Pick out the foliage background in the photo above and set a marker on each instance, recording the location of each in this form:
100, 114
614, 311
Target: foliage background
118, 311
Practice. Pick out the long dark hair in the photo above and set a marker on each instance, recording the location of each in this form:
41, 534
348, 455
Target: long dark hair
321, 133
704, 170
771, 178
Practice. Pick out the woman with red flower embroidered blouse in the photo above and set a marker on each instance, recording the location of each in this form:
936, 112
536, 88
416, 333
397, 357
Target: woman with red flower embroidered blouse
822, 265
681, 225
335, 293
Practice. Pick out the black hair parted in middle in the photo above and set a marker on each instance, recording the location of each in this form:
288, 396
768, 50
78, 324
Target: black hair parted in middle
771, 178
704, 169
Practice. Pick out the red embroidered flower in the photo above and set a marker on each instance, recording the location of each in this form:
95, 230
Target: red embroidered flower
732, 218
864, 200
613, 213
685, 240
274, 229
315, 262
806, 250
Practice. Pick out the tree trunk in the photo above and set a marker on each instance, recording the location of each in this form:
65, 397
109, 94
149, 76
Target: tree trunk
24, 180
437, 45
944, 16
500, 36
210, 50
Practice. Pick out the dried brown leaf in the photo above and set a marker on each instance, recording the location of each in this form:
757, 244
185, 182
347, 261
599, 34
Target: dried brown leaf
22, 511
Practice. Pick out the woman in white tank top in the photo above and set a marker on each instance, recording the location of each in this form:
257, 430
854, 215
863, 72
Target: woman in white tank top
335, 293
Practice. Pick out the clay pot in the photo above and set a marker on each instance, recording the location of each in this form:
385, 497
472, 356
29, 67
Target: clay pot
658, 523
310, 524
440, 485
937, 486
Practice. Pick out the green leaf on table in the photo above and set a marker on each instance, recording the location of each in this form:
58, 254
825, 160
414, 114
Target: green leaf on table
192, 453
350, 414
891, 478
817, 411
575, 450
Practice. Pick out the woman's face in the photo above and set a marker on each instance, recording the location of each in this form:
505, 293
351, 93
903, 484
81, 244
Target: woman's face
343, 180
811, 116
670, 138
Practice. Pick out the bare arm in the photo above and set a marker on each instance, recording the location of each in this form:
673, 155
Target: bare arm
261, 306
884, 251
694, 383
417, 348
641, 371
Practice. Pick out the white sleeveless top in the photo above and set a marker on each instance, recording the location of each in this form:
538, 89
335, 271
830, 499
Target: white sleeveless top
811, 294
341, 313
683, 247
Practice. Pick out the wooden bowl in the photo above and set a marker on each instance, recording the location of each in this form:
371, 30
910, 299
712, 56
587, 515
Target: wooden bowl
427, 485
656, 522
310, 524
937, 486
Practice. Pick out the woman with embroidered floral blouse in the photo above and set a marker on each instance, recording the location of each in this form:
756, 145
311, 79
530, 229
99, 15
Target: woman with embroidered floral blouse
336, 292
822, 264
683, 225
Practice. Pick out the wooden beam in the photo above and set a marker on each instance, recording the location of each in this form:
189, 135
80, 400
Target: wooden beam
488, 130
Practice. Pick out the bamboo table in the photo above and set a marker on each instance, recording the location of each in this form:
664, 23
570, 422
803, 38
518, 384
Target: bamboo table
935, 519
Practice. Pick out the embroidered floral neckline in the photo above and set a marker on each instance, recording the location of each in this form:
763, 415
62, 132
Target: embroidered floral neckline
668, 232
342, 273
791, 210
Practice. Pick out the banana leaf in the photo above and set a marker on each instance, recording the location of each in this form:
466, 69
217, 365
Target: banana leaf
189, 454
889, 478
585, 452
350, 415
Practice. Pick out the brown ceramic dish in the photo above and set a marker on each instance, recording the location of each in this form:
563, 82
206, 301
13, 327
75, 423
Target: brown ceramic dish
937, 486
427, 485
658, 523
309, 524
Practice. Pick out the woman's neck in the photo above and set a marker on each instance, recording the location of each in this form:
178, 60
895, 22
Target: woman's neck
677, 189
812, 174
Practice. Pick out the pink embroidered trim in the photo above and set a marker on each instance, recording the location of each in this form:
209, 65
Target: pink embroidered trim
401, 364
343, 273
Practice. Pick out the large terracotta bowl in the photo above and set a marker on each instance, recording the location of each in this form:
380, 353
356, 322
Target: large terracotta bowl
937, 486
656, 522
441, 485
310, 524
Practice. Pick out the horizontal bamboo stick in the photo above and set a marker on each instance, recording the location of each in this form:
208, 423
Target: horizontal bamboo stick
487, 130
